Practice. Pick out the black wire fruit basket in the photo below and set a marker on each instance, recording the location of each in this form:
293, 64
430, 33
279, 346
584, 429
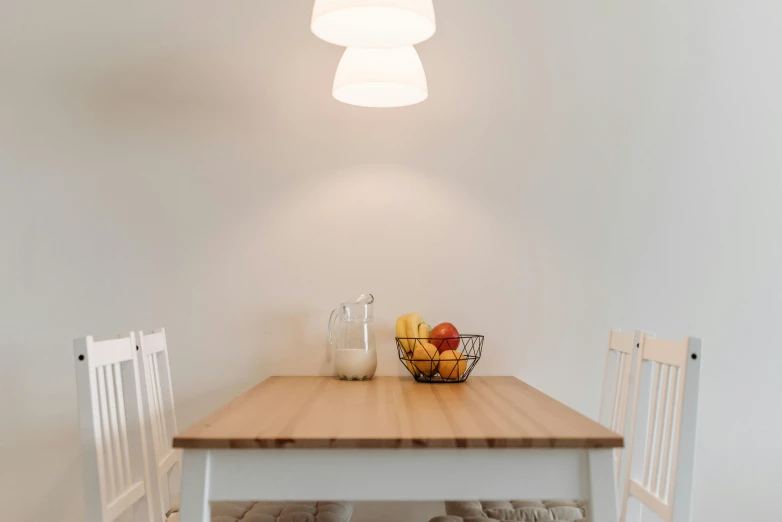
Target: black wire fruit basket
426, 363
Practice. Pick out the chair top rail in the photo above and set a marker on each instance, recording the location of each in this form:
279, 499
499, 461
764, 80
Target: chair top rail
104, 353
152, 343
665, 351
622, 341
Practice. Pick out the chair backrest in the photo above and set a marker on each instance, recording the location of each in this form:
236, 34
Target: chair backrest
110, 416
616, 386
159, 406
661, 450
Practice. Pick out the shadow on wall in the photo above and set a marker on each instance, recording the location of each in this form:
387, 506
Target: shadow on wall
177, 93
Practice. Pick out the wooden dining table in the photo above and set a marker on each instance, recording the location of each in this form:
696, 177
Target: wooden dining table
391, 438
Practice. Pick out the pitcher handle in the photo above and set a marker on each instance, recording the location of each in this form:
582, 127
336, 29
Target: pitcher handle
332, 318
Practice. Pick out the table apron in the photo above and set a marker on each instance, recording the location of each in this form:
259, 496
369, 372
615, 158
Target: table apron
388, 474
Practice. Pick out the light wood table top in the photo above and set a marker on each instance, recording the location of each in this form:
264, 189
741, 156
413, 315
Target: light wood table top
395, 412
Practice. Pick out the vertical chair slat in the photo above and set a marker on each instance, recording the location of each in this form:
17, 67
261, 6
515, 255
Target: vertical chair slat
158, 413
659, 425
623, 392
114, 427
618, 399
153, 407
165, 443
148, 389
617, 375
147, 510
174, 469
616, 410
106, 434
165, 377
123, 427
662, 486
652, 416
617, 425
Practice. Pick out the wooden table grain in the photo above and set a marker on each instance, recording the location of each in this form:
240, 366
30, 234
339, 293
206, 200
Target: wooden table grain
395, 412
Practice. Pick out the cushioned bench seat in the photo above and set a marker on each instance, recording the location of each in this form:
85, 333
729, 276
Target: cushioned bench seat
514, 510
276, 512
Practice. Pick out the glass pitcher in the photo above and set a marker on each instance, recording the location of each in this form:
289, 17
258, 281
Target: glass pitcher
352, 335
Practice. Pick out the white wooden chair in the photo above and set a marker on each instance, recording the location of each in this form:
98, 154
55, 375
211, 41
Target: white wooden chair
620, 359
159, 403
115, 457
661, 448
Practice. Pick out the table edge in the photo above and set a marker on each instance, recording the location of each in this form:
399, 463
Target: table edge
446, 443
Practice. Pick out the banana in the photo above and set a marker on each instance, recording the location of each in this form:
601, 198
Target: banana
414, 321
413, 327
418, 329
408, 345
401, 332
424, 330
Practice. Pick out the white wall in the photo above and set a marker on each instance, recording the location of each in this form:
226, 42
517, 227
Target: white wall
577, 166
697, 247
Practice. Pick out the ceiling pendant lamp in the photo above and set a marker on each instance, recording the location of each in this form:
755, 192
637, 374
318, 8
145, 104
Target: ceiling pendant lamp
380, 77
373, 23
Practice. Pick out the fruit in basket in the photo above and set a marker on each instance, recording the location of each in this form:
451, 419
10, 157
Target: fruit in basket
423, 332
452, 365
401, 331
445, 337
426, 358
410, 327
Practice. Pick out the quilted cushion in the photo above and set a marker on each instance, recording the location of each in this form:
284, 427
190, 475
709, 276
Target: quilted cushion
515, 510
276, 512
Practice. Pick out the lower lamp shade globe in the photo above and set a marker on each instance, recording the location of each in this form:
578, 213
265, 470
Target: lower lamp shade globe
391, 77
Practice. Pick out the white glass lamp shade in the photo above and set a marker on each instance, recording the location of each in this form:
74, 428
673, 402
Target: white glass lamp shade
380, 77
373, 23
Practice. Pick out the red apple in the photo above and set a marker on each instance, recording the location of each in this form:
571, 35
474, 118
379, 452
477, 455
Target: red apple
445, 337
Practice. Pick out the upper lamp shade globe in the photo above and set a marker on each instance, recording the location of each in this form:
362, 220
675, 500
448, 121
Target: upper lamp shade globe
380, 77
373, 23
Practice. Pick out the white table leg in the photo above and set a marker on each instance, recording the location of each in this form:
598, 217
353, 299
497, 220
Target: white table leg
602, 492
196, 478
